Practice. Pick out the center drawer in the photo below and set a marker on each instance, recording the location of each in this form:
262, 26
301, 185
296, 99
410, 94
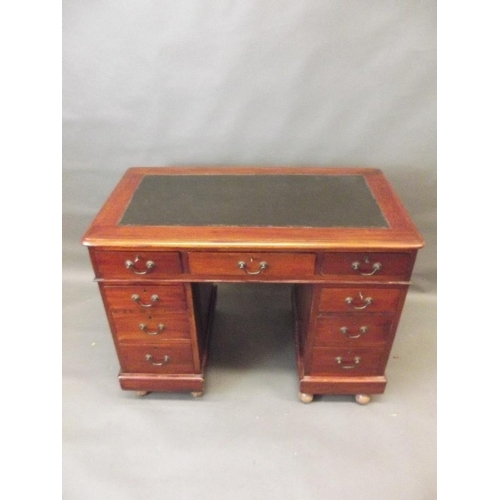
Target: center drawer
257, 265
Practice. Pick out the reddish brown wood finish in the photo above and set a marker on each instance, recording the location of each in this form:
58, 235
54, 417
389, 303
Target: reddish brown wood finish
352, 330
133, 358
277, 265
337, 299
170, 297
347, 362
158, 327
393, 266
160, 382
318, 260
343, 385
391, 313
332, 384
112, 265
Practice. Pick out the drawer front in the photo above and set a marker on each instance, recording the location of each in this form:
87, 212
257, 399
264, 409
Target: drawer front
134, 299
359, 299
347, 362
252, 265
136, 264
161, 358
157, 326
368, 266
352, 330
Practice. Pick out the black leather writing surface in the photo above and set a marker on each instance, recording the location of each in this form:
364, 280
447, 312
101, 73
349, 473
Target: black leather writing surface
254, 201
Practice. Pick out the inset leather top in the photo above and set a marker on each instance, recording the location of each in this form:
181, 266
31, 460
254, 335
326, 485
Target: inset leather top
248, 208
254, 201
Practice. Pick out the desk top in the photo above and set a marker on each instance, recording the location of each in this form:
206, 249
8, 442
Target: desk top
241, 207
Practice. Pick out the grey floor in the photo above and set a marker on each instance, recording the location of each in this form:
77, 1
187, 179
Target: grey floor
248, 437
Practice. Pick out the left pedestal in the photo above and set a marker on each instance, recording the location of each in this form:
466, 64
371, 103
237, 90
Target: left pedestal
160, 329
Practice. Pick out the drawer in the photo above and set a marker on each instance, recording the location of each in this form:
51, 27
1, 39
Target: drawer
154, 326
368, 266
357, 299
347, 362
161, 358
134, 299
257, 265
136, 264
352, 330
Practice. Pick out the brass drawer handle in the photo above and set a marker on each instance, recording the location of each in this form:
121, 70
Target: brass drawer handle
129, 264
375, 268
339, 361
144, 328
367, 302
149, 359
137, 299
345, 331
243, 265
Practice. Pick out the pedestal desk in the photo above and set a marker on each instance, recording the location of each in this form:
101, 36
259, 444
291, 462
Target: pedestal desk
166, 236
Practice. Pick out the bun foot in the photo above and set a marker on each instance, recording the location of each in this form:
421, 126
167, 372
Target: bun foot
362, 399
197, 394
305, 397
141, 393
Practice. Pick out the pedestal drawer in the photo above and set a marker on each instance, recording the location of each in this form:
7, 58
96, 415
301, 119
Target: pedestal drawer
161, 358
358, 299
136, 298
157, 326
368, 266
136, 264
352, 330
257, 265
347, 362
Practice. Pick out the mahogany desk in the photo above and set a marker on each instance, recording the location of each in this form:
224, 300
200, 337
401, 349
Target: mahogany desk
340, 236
